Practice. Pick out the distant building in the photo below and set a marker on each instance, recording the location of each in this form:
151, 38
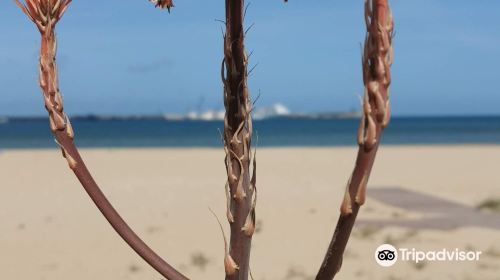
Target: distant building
261, 113
277, 110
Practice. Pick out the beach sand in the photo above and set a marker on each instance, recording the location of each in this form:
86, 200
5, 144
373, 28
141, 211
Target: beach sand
49, 229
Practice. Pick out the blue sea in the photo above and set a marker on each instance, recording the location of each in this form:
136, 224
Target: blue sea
277, 132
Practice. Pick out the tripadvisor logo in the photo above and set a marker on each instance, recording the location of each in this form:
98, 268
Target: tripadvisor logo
386, 255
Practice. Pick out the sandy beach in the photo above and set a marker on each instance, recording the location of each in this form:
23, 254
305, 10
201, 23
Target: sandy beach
49, 229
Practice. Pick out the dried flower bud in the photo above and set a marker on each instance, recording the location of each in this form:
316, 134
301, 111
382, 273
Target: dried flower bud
163, 4
346, 206
44, 13
230, 265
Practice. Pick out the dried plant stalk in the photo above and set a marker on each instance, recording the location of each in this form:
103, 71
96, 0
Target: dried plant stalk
237, 144
45, 14
377, 59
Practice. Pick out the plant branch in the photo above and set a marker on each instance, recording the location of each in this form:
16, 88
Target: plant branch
377, 59
45, 14
237, 144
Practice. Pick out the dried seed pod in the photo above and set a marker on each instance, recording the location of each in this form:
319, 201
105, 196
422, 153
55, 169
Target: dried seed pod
52, 124
371, 133
69, 128
56, 7
240, 193
380, 67
346, 205
387, 116
380, 104
361, 190
229, 213
58, 120
72, 163
387, 78
230, 266
235, 141
384, 37
373, 87
367, 108
249, 226
361, 131
43, 18
47, 102
58, 101
41, 77
232, 178
246, 141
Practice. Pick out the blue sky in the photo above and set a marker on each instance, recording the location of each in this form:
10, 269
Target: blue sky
125, 57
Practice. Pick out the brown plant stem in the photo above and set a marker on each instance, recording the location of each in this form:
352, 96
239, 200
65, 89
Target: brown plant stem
108, 211
377, 59
45, 14
237, 145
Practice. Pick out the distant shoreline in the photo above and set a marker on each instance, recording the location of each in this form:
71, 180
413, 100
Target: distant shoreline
272, 132
315, 116
324, 116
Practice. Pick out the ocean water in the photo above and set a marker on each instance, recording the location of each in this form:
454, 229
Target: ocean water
271, 132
